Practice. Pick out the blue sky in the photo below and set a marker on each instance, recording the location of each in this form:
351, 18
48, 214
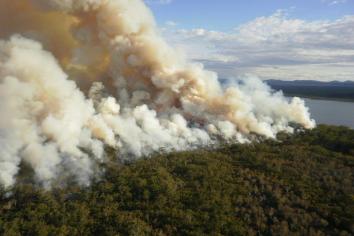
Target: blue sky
269, 39
227, 14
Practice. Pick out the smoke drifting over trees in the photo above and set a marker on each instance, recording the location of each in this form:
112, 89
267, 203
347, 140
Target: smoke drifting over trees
76, 76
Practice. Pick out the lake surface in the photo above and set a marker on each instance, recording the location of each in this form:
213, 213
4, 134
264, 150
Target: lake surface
331, 112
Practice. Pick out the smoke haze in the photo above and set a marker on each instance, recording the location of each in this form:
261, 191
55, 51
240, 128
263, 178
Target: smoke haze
76, 76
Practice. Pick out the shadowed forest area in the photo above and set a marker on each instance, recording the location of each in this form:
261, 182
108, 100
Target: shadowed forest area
299, 185
315, 89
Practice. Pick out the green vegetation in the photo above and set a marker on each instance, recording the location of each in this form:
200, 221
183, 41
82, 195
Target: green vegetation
300, 186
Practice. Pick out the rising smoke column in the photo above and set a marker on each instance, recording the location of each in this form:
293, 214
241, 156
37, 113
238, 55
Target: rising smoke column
79, 75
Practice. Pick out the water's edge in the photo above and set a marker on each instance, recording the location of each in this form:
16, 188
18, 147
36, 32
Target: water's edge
331, 112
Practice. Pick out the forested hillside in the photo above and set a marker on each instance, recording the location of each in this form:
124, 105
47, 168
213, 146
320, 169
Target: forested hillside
315, 89
300, 185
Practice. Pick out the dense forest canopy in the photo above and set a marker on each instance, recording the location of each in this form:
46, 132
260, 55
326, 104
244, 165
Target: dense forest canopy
299, 185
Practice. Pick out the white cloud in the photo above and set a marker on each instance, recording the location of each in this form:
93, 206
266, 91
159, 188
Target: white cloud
171, 23
161, 2
334, 2
275, 47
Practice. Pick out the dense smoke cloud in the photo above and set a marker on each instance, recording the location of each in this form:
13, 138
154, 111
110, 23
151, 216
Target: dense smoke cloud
76, 76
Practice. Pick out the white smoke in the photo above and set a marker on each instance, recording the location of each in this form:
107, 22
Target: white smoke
141, 96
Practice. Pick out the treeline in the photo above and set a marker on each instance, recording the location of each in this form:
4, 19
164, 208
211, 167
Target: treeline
301, 185
329, 92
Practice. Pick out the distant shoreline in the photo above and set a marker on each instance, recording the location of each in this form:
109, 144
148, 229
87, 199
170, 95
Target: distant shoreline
333, 91
349, 100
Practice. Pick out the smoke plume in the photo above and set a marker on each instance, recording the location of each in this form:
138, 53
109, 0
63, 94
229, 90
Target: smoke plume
77, 76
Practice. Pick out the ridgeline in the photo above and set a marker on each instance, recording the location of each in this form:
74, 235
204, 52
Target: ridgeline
334, 90
302, 185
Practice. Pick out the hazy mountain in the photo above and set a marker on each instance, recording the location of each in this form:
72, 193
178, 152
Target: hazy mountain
310, 83
310, 88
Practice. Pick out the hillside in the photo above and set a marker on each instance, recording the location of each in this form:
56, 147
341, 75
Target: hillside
316, 89
302, 186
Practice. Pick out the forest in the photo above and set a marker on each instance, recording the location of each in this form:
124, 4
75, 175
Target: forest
299, 184
315, 89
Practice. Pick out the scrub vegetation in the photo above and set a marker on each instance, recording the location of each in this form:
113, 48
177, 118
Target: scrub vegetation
298, 185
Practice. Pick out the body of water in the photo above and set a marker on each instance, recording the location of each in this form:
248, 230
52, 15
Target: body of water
331, 112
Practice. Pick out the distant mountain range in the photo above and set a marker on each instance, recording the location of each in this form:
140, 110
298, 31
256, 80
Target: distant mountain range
310, 83
333, 90
315, 89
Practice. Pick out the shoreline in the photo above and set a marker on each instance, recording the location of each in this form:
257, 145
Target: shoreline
349, 100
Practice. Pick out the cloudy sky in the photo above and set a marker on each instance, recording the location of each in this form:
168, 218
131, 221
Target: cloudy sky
272, 39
